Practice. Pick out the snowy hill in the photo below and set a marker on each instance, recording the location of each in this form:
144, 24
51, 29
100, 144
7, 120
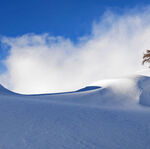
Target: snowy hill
109, 114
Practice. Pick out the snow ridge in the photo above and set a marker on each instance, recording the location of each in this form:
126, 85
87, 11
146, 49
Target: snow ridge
113, 116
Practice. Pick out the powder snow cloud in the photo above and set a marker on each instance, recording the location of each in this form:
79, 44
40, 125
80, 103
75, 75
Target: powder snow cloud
44, 63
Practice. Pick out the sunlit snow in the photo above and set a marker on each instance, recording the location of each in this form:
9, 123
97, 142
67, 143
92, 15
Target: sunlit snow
113, 115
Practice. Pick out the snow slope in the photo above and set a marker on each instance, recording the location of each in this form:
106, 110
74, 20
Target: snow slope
109, 114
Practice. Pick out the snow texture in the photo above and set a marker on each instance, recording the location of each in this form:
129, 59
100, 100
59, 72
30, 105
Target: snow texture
109, 114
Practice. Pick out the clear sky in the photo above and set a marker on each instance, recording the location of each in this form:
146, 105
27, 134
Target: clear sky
69, 19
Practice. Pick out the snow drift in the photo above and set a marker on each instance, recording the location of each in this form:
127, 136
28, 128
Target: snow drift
109, 114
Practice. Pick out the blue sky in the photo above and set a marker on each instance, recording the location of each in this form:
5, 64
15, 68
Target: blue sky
68, 18
71, 19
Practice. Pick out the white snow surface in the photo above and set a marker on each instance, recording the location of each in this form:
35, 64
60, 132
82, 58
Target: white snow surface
115, 116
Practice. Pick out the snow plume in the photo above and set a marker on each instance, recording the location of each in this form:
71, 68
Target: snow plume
44, 64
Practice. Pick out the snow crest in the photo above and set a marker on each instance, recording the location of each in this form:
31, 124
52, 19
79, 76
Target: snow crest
126, 91
109, 117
